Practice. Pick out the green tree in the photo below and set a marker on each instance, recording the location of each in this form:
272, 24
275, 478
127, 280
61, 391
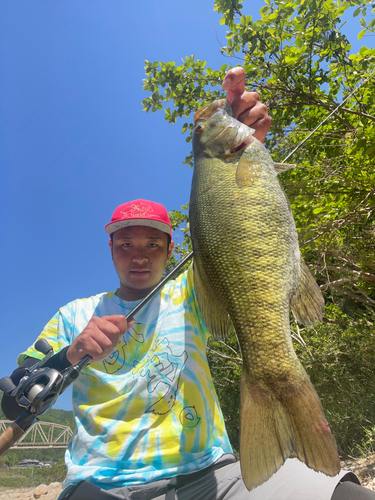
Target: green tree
297, 56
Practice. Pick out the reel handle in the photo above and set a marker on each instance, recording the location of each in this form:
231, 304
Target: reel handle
7, 385
43, 346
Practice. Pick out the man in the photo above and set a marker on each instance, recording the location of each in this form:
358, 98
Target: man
149, 425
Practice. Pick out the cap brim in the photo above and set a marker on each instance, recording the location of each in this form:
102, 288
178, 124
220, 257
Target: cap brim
111, 228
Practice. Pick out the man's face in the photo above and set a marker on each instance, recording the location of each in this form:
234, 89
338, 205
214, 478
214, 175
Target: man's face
139, 254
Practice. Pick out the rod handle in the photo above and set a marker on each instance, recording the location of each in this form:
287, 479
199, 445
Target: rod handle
9, 437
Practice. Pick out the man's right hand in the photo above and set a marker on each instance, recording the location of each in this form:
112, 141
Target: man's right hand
247, 107
99, 338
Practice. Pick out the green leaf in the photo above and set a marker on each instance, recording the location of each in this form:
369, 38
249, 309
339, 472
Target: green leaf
318, 210
361, 33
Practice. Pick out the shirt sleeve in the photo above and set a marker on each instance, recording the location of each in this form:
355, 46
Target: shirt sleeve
57, 332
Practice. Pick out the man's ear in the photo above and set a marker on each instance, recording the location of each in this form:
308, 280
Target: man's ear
170, 248
110, 246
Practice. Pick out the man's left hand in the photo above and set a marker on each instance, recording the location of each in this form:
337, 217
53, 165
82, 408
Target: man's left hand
246, 106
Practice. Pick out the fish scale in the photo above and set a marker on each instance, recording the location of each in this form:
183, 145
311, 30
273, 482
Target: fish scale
247, 265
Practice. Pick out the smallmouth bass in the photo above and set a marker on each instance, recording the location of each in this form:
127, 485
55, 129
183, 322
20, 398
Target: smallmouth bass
248, 266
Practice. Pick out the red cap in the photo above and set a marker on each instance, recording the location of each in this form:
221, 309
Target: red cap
140, 213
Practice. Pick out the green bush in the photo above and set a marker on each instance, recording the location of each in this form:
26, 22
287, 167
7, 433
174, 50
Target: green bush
341, 365
55, 474
27, 478
338, 355
16, 482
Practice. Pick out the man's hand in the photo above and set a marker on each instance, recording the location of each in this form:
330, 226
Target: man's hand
247, 107
99, 338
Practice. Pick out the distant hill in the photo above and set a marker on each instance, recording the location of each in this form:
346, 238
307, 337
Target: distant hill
61, 417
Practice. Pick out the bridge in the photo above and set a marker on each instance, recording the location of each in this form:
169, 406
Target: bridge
41, 435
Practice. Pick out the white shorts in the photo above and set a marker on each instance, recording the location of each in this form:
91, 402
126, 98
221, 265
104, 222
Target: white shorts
223, 481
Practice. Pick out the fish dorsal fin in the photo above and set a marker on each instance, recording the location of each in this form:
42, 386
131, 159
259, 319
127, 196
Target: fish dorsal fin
207, 111
283, 167
308, 302
213, 311
247, 171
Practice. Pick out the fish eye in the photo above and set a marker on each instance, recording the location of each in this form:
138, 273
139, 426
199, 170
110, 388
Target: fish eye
199, 128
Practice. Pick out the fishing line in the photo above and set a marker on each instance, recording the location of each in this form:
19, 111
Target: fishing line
329, 116
190, 255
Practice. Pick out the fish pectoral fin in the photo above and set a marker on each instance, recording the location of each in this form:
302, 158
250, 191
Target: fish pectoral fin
213, 311
247, 171
308, 302
283, 167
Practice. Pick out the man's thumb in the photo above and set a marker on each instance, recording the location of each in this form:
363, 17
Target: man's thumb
120, 321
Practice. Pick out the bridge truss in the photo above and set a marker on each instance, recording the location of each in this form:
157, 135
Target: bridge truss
41, 435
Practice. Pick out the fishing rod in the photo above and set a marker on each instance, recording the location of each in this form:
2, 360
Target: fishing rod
40, 387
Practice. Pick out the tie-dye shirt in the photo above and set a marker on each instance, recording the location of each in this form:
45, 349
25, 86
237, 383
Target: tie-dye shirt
149, 410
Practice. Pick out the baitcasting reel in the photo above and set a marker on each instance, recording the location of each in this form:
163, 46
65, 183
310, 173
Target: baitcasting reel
39, 388
37, 391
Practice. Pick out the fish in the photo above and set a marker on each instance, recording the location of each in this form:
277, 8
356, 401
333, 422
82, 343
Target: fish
248, 273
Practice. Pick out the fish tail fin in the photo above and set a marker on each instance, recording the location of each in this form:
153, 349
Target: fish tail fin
273, 426
313, 440
265, 438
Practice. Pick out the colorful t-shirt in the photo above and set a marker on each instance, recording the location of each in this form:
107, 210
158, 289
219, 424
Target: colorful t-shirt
149, 410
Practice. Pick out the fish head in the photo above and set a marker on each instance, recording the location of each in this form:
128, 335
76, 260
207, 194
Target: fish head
217, 133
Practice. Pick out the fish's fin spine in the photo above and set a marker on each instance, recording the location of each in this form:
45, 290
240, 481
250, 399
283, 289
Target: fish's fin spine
214, 312
283, 167
308, 302
273, 426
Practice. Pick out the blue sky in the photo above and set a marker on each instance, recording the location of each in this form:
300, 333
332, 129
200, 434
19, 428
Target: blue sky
75, 143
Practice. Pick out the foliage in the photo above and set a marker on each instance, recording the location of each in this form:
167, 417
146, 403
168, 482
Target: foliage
339, 356
13, 457
56, 473
225, 363
24, 478
298, 57
180, 224
61, 417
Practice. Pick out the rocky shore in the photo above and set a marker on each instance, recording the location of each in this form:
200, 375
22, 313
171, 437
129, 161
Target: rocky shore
364, 468
44, 492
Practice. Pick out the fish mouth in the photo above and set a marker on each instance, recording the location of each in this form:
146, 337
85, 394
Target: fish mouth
242, 145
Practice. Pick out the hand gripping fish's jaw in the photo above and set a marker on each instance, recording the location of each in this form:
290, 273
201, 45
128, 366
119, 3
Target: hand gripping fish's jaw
218, 135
